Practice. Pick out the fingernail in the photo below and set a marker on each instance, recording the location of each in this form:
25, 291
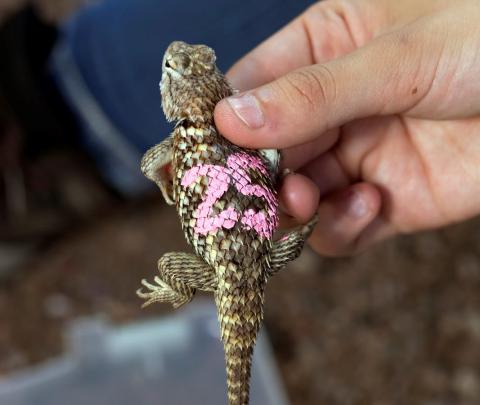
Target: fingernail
247, 108
357, 207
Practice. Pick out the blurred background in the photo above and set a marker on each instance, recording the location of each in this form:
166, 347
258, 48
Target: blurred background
79, 228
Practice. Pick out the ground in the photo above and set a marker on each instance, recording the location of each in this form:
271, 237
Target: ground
398, 324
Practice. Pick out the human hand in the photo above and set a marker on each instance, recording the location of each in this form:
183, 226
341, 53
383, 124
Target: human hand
377, 107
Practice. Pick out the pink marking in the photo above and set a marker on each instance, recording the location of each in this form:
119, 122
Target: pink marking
190, 176
257, 221
263, 225
217, 186
224, 176
203, 211
222, 220
229, 223
204, 169
219, 179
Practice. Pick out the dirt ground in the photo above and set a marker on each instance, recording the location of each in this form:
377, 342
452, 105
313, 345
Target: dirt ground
397, 325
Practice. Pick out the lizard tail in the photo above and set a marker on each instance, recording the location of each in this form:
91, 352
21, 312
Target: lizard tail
240, 314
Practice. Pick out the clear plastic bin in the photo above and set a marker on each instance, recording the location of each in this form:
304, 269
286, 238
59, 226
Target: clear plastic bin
169, 360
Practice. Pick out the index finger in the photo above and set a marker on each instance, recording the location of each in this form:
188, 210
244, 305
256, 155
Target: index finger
317, 35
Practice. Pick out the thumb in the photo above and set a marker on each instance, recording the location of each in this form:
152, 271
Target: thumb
390, 75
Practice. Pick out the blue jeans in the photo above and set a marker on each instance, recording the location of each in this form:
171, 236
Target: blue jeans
107, 64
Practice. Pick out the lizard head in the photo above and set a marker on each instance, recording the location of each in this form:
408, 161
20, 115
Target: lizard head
191, 84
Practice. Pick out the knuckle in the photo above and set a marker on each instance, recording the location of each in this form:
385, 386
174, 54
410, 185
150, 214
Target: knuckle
315, 86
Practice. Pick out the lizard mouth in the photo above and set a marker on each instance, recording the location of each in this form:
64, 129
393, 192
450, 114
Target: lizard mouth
172, 68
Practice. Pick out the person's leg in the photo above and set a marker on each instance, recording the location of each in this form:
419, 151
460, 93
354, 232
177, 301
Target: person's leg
116, 48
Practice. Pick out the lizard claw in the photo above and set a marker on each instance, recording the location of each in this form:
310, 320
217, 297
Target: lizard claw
161, 292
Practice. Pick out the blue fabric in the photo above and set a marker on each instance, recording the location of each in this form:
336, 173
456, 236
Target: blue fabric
118, 45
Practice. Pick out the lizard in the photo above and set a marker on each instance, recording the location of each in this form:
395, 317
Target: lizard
225, 196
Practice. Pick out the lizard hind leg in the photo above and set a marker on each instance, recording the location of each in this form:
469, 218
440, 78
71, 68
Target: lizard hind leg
290, 246
180, 275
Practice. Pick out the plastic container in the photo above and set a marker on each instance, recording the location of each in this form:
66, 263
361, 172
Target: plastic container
169, 360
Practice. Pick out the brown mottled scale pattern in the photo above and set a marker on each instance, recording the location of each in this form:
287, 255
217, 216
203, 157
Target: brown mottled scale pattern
226, 200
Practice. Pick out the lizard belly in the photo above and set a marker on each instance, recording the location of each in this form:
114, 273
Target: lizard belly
228, 207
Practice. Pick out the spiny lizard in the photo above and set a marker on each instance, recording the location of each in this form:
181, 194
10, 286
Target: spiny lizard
226, 199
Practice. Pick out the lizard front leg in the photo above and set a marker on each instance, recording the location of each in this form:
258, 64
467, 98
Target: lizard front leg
272, 159
290, 246
180, 275
155, 166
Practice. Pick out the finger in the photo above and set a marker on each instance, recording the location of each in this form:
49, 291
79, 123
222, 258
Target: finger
300, 192
343, 218
321, 33
299, 197
349, 220
299, 155
325, 31
388, 76
326, 173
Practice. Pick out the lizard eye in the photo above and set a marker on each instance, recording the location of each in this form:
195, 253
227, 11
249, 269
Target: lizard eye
178, 62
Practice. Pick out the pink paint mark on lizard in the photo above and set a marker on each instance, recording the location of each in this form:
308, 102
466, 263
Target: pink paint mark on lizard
219, 179
258, 221
217, 186
264, 224
191, 175
226, 219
